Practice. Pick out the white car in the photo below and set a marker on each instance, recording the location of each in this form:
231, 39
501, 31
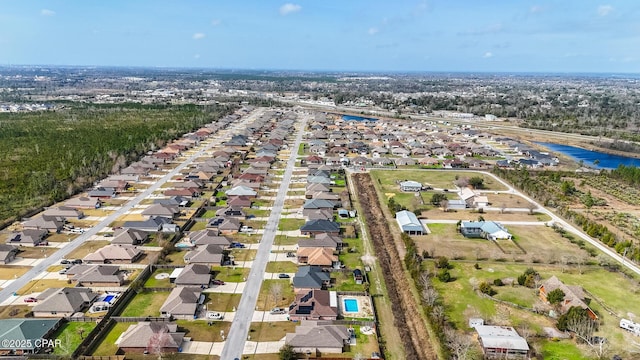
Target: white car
215, 316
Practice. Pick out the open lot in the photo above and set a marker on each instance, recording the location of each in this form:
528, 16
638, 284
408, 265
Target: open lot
281, 267
230, 274
437, 179
271, 331
222, 302
71, 335
243, 254
11, 272
145, 304
42, 285
204, 331
37, 252
438, 214
275, 293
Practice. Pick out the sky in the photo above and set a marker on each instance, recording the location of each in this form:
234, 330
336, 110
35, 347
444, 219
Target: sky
330, 35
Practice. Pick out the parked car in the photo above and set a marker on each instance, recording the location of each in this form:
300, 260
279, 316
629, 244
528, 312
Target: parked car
108, 235
62, 272
283, 276
246, 229
237, 245
215, 316
30, 300
77, 261
291, 254
218, 282
65, 262
278, 311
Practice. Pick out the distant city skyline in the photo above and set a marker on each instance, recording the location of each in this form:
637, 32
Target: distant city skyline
569, 36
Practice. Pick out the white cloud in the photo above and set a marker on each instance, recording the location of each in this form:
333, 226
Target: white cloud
487, 55
604, 10
198, 36
47, 12
196, 56
216, 22
373, 31
289, 8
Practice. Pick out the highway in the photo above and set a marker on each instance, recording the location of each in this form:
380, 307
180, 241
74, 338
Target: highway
234, 345
54, 259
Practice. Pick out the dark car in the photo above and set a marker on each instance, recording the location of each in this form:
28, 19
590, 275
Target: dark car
218, 282
30, 300
283, 276
237, 245
65, 262
76, 262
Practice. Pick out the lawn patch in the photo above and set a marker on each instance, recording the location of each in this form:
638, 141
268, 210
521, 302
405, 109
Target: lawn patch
271, 331
281, 267
71, 334
145, 304
268, 298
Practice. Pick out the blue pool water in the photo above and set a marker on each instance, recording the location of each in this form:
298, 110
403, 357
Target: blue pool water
108, 298
350, 305
357, 118
182, 245
607, 161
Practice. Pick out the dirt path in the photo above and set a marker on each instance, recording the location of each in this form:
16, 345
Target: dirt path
413, 332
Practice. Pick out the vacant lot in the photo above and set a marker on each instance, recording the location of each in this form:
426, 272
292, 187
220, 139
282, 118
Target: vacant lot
41, 285
108, 346
281, 267
438, 214
14, 311
243, 254
507, 200
437, 179
275, 293
271, 331
71, 335
38, 252
230, 274
290, 224
222, 302
202, 331
86, 249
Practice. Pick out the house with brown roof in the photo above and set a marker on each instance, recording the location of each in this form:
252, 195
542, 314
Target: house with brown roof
84, 202
7, 253
319, 256
114, 254
573, 295
205, 254
96, 275
151, 337
318, 336
64, 212
182, 303
43, 222
29, 237
130, 236
208, 236
314, 305
194, 275
63, 302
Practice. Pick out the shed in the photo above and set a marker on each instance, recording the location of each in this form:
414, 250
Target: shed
409, 223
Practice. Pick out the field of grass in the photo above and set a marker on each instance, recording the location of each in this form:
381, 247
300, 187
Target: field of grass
70, 336
281, 267
285, 240
437, 179
561, 350
152, 282
11, 272
14, 311
243, 254
38, 252
176, 257
108, 345
198, 225
86, 249
222, 302
145, 304
290, 224
202, 331
266, 300
229, 274
271, 331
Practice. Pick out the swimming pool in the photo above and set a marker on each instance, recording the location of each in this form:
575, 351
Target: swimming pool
350, 305
108, 298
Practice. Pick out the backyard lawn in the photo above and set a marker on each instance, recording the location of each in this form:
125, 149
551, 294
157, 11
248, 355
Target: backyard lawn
230, 274
145, 304
286, 224
71, 335
271, 331
202, 331
281, 267
176, 257
152, 282
107, 345
222, 302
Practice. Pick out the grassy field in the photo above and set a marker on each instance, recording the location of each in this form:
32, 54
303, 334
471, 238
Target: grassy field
290, 224
507, 200
285, 240
271, 331
152, 282
202, 331
437, 179
266, 300
86, 249
69, 335
35, 252
14, 311
229, 274
223, 302
108, 346
243, 254
437, 214
561, 350
176, 257
145, 304
10, 272
281, 267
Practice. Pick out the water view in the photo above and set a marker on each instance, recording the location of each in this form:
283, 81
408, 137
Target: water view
357, 118
588, 157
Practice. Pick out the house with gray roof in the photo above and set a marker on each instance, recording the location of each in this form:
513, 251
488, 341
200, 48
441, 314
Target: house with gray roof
130, 237
205, 254
64, 212
96, 275
26, 333
318, 336
29, 237
168, 211
151, 336
409, 223
311, 277
7, 253
194, 275
102, 193
320, 226
114, 254
182, 303
84, 202
153, 224
241, 191
500, 342
489, 230
63, 302
44, 222
206, 237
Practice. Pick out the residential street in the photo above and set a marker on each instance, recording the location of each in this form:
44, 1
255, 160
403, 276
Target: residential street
236, 340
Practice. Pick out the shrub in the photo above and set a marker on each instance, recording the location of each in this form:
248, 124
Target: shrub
486, 288
444, 275
498, 282
442, 262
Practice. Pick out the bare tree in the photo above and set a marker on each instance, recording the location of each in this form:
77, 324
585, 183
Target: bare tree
503, 207
532, 207
584, 328
158, 341
445, 205
459, 344
276, 292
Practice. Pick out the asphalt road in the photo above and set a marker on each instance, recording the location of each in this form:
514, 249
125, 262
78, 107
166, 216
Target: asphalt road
239, 330
55, 258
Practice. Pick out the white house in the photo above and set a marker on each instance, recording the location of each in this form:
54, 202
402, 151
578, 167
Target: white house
410, 185
409, 223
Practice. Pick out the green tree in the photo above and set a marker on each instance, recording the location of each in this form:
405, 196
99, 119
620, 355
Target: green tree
442, 262
486, 288
477, 182
555, 297
287, 353
437, 198
568, 187
444, 275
